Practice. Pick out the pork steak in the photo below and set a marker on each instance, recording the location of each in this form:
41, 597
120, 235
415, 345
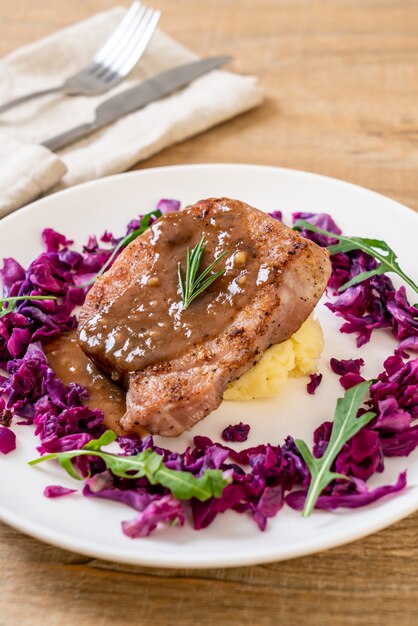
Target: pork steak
176, 363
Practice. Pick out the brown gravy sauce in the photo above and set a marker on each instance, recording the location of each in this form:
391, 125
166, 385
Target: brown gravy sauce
146, 323
70, 364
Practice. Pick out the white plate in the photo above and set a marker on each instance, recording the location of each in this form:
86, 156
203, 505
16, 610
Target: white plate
92, 527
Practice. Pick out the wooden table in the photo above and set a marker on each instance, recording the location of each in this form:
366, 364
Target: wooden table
341, 83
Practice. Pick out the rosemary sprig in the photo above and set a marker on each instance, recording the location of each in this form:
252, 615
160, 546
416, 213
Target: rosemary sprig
13, 300
144, 225
376, 248
193, 285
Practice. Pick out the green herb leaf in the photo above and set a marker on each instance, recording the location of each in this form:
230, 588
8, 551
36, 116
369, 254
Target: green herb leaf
144, 225
183, 485
66, 463
104, 440
376, 248
12, 302
193, 284
346, 424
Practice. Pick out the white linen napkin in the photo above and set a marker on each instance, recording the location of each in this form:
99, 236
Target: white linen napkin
27, 170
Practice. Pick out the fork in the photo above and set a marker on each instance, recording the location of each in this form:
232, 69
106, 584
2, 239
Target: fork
112, 62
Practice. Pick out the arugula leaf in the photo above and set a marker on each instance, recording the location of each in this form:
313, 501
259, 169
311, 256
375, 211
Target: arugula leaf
346, 425
193, 285
144, 225
13, 300
104, 440
376, 248
183, 485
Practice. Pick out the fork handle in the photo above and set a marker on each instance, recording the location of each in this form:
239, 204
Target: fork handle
29, 96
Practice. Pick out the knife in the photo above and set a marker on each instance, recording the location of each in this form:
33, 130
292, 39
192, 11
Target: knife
137, 97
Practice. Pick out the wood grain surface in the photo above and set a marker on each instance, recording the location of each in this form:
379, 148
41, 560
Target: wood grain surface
341, 84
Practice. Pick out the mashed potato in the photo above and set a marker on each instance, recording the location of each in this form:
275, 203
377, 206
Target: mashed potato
297, 356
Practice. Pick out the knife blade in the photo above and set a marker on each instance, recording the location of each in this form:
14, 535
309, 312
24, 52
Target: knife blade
136, 98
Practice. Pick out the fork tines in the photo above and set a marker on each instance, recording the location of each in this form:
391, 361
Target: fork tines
119, 54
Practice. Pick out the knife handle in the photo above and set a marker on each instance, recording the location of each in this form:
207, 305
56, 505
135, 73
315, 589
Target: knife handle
69, 136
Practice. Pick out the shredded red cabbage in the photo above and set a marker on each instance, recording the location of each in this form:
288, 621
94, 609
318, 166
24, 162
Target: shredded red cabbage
165, 510
7, 440
346, 366
372, 304
351, 380
410, 344
315, 381
166, 205
55, 272
358, 495
278, 215
321, 220
263, 477
361, 457
394, 397
56, 491
239, 432
349, 371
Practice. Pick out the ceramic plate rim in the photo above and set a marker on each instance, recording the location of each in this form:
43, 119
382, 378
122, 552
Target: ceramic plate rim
403, 509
